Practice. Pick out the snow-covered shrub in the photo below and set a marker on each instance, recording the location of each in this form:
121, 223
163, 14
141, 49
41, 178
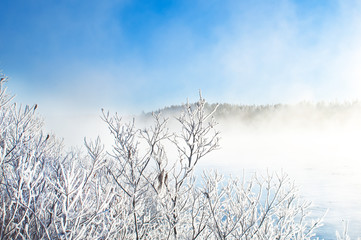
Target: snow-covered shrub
24, 156
44, 192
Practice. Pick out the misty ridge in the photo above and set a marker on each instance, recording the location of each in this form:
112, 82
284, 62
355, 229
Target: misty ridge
302, 114
304, 134
155, 181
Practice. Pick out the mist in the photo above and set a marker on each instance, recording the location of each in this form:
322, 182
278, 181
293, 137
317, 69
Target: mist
316, 144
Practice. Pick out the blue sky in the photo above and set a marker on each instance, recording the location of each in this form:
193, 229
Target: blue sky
73, 57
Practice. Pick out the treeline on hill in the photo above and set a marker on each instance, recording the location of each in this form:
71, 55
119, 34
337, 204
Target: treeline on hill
302, 112
137, 190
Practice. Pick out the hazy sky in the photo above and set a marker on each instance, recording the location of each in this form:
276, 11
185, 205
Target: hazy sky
77, 56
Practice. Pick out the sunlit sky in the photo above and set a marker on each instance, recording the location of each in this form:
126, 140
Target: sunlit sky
73, 57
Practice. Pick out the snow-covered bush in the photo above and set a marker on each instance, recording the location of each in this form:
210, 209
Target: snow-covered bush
45, 193
344, 235
25, 153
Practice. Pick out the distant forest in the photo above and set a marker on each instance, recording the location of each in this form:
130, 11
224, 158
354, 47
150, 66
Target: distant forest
302, 112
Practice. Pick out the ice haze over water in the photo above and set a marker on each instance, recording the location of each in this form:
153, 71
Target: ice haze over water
317, 145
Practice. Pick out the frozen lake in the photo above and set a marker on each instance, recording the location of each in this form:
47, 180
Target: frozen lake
323, 159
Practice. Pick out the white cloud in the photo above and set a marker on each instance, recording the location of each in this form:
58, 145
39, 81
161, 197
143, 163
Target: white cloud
285, 52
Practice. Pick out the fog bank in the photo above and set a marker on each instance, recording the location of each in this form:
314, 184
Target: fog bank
318, 145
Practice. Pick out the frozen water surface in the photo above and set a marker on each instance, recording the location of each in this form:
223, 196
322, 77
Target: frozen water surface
324, 159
